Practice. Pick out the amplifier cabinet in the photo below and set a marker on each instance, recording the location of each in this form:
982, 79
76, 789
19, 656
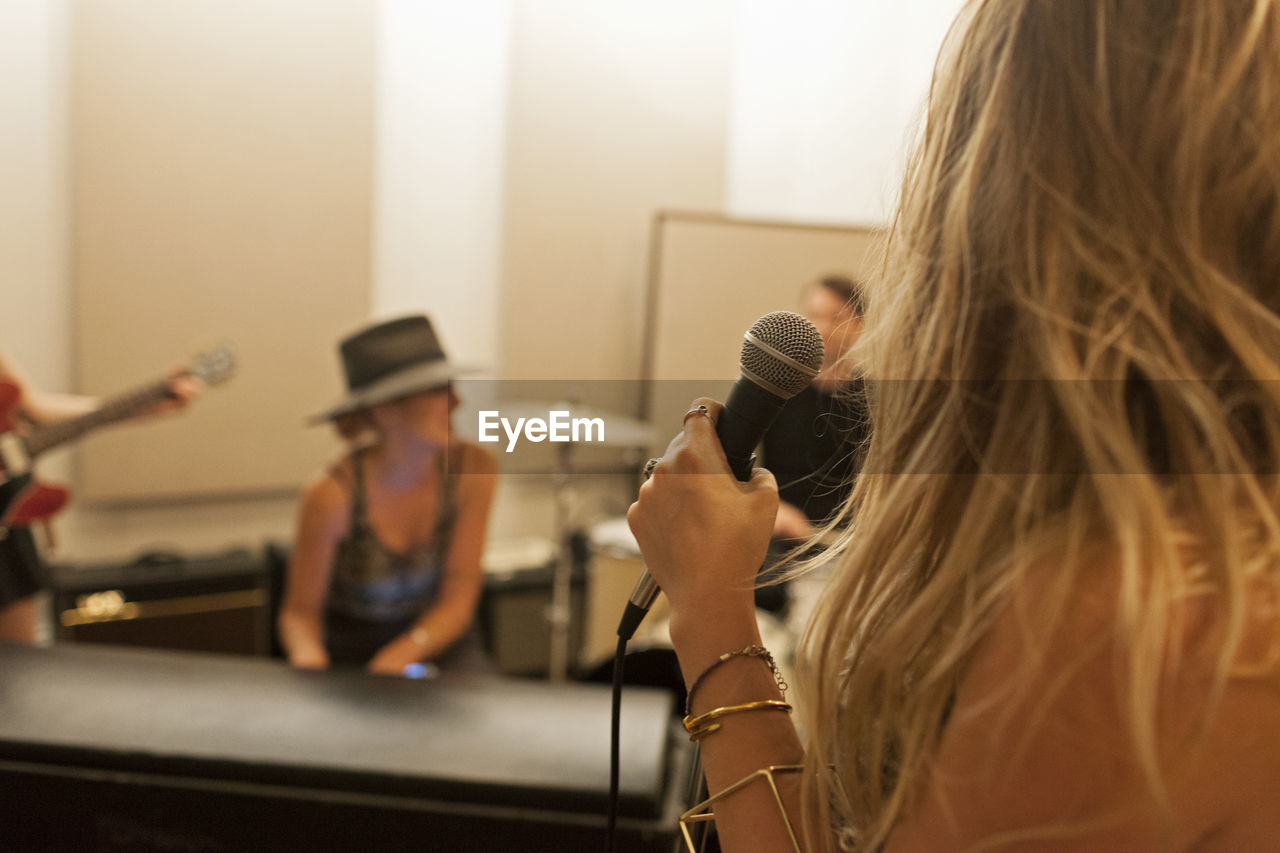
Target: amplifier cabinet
211, 603
515, 611
140, 750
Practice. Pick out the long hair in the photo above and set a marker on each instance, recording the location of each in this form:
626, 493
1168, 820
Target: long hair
1072, 347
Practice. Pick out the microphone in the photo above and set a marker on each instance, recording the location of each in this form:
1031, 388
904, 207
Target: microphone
781, 354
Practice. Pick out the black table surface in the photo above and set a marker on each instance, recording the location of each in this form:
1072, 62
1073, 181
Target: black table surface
473, 739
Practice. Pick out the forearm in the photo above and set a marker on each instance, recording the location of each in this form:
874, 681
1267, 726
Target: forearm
749, 819
704, 535
440, 626
43, 406
302, 636
47, 407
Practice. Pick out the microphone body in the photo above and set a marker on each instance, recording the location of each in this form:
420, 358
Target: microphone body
748, 412
780, 356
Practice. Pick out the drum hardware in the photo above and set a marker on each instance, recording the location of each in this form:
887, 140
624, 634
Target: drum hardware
620, 432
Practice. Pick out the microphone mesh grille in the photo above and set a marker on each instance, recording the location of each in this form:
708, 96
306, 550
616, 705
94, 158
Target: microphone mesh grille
794, 337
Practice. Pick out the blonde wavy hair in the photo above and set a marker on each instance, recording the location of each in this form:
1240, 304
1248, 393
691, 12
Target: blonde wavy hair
1072, 346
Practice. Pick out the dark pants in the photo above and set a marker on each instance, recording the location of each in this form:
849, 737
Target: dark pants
21, 572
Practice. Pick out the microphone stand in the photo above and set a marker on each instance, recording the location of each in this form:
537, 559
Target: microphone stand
560, 614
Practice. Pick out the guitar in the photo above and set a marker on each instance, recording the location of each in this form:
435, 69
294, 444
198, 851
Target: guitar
23, 499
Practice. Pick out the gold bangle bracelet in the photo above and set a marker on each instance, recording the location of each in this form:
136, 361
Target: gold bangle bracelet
702, 725
704, 812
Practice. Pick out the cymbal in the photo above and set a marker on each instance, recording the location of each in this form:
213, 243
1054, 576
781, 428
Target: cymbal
614, 534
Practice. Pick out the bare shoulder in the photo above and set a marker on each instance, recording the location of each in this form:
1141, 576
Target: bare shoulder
326, 497
1032, 742
1236, 777
1039, 748
474, 459
478, 469
479, 475
1230, 773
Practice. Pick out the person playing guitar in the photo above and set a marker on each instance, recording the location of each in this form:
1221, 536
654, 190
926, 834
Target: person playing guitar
20, 572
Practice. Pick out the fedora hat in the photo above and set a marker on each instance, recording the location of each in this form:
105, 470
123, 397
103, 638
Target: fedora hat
390, 360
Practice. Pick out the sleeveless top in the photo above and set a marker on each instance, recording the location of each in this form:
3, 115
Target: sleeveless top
376, 592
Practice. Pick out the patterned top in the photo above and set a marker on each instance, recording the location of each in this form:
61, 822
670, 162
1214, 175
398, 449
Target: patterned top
375, 583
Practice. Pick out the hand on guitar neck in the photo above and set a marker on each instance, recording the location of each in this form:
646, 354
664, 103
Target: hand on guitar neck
184, 389
32, 422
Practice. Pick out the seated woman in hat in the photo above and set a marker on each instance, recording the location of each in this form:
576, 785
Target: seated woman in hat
385, 569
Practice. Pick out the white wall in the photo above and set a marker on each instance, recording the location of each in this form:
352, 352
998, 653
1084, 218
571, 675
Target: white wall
221, 170
825, 95
439, 164
617, 110
35, 314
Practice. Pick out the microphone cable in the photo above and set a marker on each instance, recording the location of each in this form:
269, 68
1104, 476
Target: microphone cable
615, 738
697, 783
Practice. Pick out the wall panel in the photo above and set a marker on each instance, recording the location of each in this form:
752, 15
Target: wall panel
222, 168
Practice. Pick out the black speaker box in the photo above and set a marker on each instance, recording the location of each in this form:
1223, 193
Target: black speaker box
213, 603
137, 750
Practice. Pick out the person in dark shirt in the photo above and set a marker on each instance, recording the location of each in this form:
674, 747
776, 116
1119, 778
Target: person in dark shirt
814, 446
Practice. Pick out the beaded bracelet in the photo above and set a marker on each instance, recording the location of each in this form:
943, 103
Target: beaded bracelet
749, 651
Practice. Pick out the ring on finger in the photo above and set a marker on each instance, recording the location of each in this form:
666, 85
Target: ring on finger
650, 465
696, 410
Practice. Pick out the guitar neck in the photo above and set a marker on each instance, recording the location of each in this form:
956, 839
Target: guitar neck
120, 408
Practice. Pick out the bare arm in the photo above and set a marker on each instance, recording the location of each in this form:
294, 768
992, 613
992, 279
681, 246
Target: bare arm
42, 406
454, 608
791, 524
322, 522
704, 535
